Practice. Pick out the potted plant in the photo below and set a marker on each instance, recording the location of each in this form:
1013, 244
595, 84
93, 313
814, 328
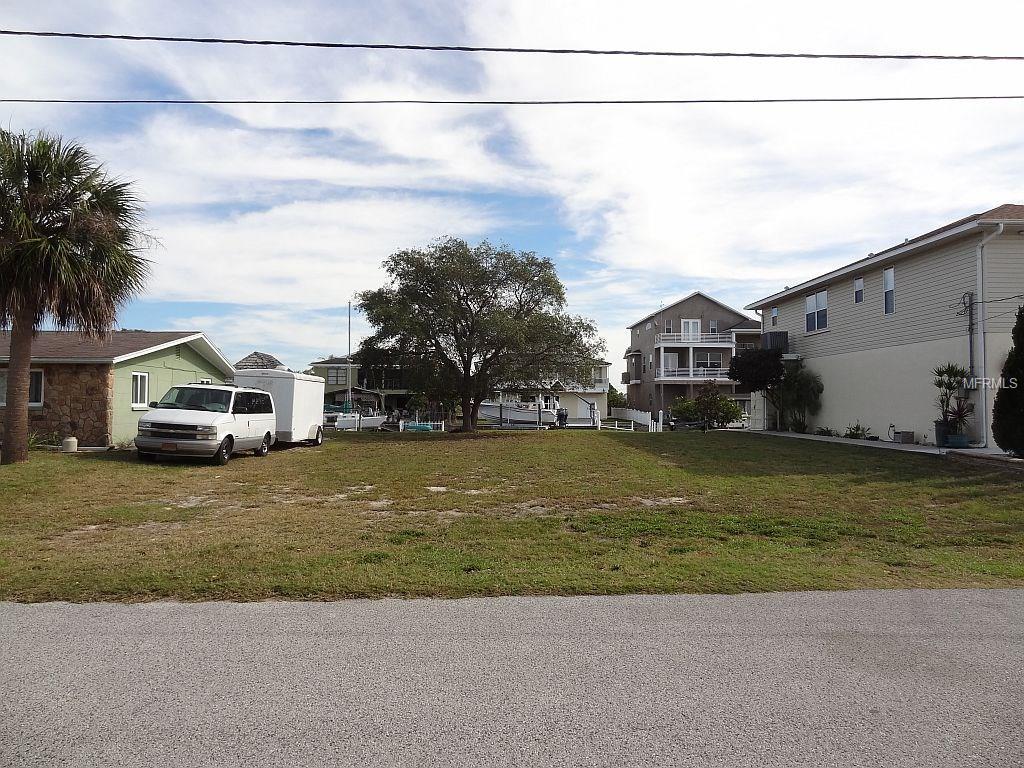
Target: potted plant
960, 412
949, 380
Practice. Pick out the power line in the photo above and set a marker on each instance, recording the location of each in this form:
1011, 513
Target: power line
518, 102
503, 49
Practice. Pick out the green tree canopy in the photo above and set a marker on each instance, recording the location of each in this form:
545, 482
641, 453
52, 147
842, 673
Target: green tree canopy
70, 252
793, 391
472, 319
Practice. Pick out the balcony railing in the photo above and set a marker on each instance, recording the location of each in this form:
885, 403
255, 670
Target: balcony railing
692, 373
695, 338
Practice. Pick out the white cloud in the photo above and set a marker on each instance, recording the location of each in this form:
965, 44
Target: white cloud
306, 253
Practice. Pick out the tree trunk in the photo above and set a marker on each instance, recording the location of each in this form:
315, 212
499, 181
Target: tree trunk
15, 448
467, 414
476, 412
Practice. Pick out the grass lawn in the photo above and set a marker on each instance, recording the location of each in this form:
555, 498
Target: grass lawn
531, 513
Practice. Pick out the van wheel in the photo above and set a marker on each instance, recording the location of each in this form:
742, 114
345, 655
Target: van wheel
319, 439
224, 452
264, 448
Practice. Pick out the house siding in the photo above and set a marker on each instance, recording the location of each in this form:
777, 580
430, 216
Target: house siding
1004, 277
167, 368
929, 287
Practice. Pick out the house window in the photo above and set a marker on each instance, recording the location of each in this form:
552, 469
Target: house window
35, 388
775, 316
889, 286
705, 359
140, 388
816, 311
668, 326
648, 327
713, 326
858, 290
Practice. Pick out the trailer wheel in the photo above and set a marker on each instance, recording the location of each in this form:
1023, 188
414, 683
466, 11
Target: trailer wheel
319, 439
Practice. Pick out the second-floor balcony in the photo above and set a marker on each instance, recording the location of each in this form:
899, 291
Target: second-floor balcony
679, 374
722, 339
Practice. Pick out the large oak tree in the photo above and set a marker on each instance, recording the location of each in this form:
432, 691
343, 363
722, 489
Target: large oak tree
476, 319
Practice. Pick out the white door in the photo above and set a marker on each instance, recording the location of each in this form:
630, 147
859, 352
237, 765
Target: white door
242, 410
690, 329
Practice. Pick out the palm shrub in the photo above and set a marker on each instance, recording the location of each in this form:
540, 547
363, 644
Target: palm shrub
1008, 410
70, 253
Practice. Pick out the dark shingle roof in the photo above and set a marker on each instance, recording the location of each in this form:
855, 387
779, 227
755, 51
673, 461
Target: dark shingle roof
334, 360
67, 345
258, 360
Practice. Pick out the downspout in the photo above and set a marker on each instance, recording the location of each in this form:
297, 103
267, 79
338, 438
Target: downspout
980, 267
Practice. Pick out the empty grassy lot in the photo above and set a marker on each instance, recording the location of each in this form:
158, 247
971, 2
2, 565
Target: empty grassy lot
537, 513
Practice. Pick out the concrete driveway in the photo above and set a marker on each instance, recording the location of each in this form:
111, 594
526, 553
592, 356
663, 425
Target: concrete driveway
900, 678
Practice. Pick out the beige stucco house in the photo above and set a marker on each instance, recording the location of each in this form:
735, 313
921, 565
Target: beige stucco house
876, 328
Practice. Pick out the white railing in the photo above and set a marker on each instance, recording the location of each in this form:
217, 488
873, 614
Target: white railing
692, 373
695, 338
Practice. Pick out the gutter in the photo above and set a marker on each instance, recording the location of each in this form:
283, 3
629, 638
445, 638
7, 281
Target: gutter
980, 268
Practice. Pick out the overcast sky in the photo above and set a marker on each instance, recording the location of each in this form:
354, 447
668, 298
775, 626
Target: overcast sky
271, 217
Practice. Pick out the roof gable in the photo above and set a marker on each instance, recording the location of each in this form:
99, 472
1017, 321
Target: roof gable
115, 347
741, 318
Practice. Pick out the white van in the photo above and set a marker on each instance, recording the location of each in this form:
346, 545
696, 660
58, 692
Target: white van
298, 397
213, 420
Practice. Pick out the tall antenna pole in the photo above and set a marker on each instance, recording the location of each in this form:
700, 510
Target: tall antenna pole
349, 377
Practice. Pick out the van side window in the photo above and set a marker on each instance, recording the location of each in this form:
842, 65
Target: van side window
263, 404
243, 403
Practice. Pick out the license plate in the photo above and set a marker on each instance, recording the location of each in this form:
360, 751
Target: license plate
168, 446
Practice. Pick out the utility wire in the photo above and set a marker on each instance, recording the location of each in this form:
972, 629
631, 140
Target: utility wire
503, 49
518, 102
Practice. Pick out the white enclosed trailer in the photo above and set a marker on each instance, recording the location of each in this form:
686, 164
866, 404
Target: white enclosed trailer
299, 400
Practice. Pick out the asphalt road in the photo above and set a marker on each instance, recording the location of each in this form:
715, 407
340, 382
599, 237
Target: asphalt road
898, 678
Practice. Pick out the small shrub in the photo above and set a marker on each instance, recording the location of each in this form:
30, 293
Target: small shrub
40, 440
857, 432
826, 432
798, 424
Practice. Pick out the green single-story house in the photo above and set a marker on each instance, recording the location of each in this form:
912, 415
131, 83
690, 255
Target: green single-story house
95, 389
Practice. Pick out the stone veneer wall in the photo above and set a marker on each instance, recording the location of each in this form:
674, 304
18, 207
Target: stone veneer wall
77, 401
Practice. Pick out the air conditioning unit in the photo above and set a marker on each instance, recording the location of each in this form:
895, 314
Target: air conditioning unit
903, 436
775, 340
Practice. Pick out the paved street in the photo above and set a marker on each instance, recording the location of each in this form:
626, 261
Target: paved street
901, 678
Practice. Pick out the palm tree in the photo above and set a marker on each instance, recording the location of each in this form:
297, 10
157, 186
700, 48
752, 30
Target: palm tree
70, 252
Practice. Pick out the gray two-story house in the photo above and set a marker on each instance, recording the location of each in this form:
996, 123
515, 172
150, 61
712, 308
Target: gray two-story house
874, 329
682, 346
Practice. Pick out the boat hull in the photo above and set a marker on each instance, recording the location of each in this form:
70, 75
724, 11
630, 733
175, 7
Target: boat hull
517, 413
350, 422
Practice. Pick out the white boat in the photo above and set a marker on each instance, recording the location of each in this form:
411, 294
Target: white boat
351, 422
517, 413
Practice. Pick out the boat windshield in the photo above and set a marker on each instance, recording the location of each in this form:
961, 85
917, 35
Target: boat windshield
196, 399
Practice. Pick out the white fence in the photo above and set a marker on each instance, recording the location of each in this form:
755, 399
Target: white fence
643, 418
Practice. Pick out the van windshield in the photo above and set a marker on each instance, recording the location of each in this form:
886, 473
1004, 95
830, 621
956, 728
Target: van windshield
196, 399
